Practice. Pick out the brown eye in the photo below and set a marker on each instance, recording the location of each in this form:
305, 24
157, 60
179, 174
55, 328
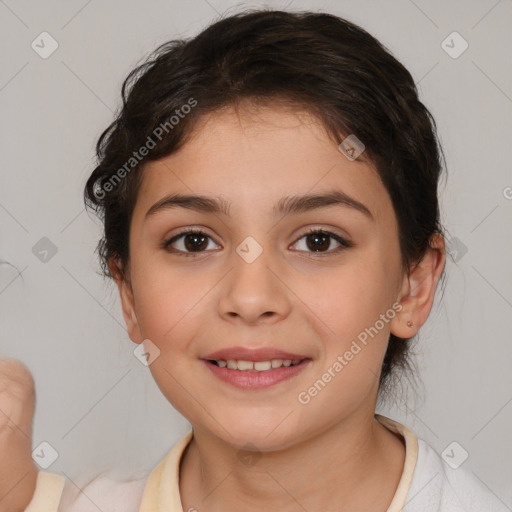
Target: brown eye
319, 241
190, 241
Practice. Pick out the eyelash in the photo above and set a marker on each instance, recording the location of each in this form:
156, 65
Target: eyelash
344, 243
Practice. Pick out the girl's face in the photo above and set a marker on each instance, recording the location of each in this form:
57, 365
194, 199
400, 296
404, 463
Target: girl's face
257, 279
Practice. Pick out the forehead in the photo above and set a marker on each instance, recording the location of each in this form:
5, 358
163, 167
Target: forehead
255, 156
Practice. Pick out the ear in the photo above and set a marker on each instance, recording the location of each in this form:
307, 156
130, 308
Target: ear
418, 290
127, 300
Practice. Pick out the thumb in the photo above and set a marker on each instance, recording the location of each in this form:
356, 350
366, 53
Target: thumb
17, 397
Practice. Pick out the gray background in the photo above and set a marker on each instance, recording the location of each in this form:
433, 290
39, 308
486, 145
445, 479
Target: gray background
97, 405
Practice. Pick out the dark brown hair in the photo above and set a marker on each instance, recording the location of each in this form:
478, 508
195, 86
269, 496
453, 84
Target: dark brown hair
315, 62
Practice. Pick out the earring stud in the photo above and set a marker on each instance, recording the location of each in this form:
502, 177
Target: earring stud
409, 323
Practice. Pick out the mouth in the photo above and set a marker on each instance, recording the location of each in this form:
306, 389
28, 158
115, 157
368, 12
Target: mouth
255, 368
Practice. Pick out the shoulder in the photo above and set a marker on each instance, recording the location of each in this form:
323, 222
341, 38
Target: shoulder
436, 486
105, 493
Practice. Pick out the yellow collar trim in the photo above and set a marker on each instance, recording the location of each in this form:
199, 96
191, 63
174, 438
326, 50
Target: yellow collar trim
162, 492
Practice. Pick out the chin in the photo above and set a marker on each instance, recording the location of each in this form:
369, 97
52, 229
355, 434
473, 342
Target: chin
264, 433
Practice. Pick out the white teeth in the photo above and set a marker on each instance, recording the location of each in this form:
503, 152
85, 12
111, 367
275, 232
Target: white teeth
262, 366
245, 365
259, 366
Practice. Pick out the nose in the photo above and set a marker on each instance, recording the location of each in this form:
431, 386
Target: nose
254, 291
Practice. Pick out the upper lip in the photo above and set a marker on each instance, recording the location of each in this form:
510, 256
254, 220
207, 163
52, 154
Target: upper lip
247, 354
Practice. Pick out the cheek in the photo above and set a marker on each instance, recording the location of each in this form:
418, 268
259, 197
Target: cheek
162, 298
174, 308
348, 298
350, 308
351, 314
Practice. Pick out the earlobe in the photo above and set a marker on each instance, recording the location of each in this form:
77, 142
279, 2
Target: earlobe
418, 290
127, 302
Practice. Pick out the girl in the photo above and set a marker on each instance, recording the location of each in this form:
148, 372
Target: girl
269, 199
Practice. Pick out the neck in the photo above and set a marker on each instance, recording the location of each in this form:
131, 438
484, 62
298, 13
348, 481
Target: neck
355, 464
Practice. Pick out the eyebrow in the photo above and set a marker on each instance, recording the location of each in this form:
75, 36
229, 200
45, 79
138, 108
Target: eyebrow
285, 206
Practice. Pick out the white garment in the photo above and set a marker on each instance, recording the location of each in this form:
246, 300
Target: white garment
427, 484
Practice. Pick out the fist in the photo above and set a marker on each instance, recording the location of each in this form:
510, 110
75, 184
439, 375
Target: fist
18, 471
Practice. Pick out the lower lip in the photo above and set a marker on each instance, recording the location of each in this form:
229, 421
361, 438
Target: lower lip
255, 379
